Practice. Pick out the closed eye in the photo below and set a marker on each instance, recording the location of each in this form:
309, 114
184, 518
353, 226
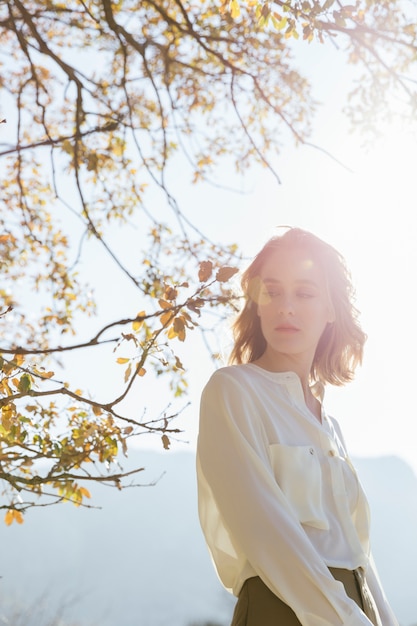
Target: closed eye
306, 294
271, 293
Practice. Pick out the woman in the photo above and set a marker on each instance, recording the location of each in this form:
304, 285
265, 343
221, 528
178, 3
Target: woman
284, 516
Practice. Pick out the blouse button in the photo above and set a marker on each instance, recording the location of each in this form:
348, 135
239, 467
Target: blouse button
311, 450
332, 453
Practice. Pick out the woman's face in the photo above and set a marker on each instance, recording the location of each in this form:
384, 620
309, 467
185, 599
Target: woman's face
293, 306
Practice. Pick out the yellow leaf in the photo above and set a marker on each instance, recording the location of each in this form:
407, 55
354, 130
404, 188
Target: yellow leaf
19, 358
85, 492
128, 373
179, 328
142, 371
8, 412
282, 23
225, 273
170, 293
13, 516
166, 318
164, 304
42, 373
205, 271
122, 360
136, 325
234, 9
6, 387
119, 148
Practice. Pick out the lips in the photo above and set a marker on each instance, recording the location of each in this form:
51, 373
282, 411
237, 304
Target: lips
287, 328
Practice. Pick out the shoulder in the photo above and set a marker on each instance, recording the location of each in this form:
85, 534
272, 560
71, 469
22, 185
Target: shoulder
233, 382
229, 401
234, 375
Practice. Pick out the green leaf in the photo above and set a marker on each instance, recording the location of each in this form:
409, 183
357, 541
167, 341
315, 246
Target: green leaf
25, 383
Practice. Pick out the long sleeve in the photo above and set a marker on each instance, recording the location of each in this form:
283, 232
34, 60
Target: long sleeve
245, 514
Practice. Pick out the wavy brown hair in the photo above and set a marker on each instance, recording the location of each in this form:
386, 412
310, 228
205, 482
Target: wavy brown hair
340, 348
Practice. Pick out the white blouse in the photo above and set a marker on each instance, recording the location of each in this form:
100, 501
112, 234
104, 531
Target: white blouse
279, 497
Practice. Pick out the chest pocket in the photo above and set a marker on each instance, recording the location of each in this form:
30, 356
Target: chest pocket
298, 473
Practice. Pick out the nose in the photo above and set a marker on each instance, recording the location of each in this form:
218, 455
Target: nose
286, 305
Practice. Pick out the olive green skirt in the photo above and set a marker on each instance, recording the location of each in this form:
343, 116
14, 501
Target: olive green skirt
258, 606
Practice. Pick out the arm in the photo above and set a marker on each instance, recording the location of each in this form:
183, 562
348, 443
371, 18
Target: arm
234, 467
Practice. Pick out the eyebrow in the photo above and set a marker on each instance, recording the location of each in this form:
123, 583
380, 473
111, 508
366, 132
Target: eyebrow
274, 281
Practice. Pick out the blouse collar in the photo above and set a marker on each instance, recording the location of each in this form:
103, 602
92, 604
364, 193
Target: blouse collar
292, 381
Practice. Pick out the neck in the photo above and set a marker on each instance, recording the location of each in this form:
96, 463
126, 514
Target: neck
274, 362
300, 366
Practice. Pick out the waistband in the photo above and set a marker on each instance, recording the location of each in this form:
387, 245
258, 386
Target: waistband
358, 576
